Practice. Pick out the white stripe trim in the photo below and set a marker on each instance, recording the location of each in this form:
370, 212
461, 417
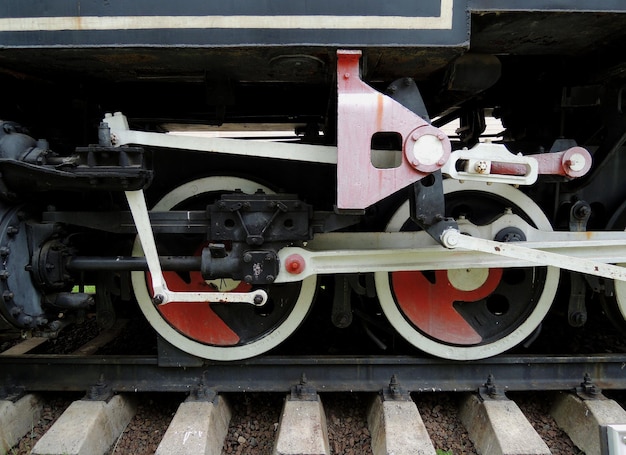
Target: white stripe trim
22, 24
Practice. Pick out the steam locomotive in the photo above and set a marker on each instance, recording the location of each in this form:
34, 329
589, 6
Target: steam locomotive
243, 169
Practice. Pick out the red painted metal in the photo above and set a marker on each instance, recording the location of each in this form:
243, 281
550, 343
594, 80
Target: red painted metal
197, 320
430, 306
363, 112
295, 264
573, 162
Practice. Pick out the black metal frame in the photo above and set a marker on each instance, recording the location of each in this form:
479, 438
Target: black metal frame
325, 374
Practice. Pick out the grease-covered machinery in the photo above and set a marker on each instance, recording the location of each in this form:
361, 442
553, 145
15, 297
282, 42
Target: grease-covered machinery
235, 167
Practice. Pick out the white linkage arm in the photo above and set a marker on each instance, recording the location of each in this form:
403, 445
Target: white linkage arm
161, 293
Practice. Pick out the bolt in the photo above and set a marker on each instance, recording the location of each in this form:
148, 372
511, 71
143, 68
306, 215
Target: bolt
441, 136
270, 278
247, 257
4, 275
55, 325
12, 230
579, 318
480, 167
392, 89
268, 257
415, 136
7, 296
346, 75
4, 251
258, 299
441, 162
582, 212
158, 299
415, 162
247, 278
394, 386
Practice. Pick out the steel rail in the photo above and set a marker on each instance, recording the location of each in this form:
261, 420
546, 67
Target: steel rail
324, 374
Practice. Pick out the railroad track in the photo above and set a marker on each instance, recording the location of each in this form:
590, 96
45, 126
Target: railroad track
328, 424
208, 413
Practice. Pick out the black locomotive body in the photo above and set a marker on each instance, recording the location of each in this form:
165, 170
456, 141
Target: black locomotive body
249, 170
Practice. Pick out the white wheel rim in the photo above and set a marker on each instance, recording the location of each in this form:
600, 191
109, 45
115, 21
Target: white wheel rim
189, 345
620, 294
426, 344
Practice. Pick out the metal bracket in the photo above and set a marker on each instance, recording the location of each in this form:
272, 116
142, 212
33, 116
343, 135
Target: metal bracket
100, 391
576, 310
162, 295
341, 313
490, 391
489, 162
202, 393
579, 216
587, 390
478, 164
427, 206
303, 391
361, 113
395, 392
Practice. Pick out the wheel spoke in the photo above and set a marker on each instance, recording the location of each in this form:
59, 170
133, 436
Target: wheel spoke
218, 331
432, 306
469, 313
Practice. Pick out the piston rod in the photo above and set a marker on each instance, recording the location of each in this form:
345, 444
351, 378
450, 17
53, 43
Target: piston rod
127, 263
